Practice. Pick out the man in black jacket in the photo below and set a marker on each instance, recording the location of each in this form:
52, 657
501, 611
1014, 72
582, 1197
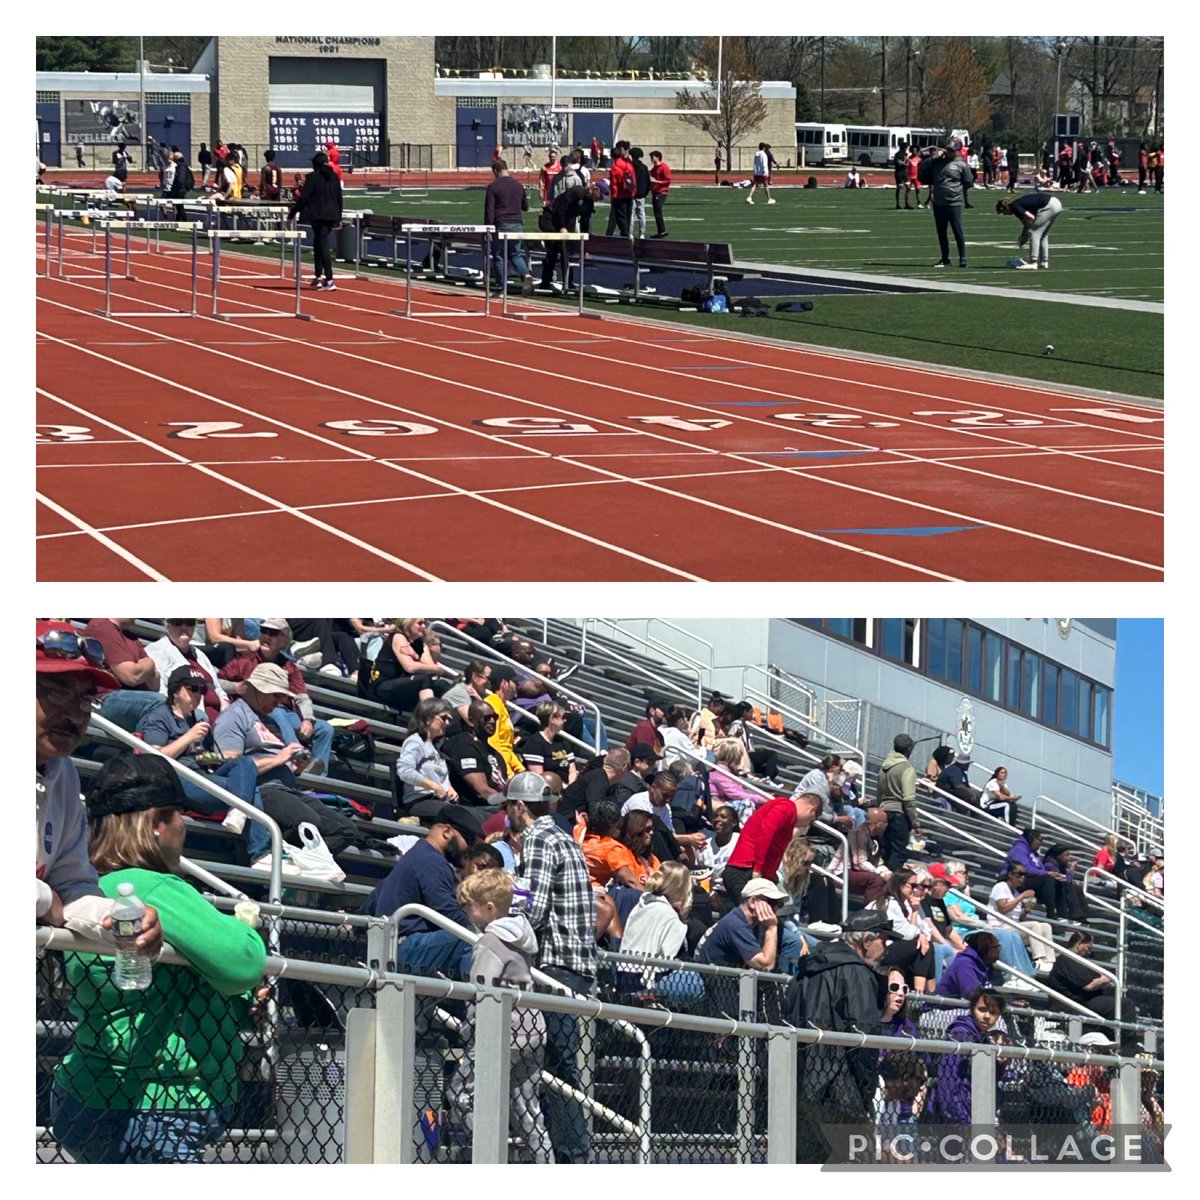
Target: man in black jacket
836, 989
319, 205
567, 207
948, 177
641, 173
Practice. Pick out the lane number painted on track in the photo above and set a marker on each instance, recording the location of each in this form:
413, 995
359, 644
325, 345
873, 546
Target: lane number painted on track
535, 425
834, 421
979, 419
199, 430
379, 428
690, 425
47, 434
1113, 414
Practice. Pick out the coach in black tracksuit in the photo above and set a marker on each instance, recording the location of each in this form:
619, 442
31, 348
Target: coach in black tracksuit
569, 206
948, 177
320, 206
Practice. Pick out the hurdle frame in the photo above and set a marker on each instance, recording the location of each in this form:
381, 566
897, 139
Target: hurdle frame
48, 221
561, 236
283, 214
215, 237
93, 215
444, 231
109, 226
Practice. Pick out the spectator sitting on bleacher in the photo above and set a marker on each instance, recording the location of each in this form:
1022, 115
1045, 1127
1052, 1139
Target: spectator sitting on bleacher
1085, 987
482, 629
797, 878
816, 782
425, 875
404, 671
704, 729
632, 781
152, 1075
636, 835
473, 686
658, 928
126, 658
477, 772
480, 857
867, 873
939, 760
913, 947
335, 646
896, 791
547, 750
596, 782
673, 733
563, 915
953, 780
724, 786
606, 858
175, 649
247, 728
1014, 900
295, 718
997, 799
965, 919
646, 730
971, 968
722, 840
762, 760
420, 768
949, 943
670, 844
1106, 856
950, 1099
226, 636
1069, 894
179, 729
903, 1074
70, 680
503, 738
1026, 852
748, 935
764, 838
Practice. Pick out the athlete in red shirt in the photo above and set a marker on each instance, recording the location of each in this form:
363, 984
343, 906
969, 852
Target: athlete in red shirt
622, 181
552, 168
660, 185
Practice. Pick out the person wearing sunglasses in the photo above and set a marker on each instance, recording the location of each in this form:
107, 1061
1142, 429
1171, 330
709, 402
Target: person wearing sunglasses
1013, 899
137, 676
177, 648
71, 679
903, 1074
900, 903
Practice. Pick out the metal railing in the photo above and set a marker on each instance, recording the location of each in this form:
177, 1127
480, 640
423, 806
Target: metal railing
682, 662
848, 749
776, 675
1124, 886
551, 685
1043, 799
687, 633
1131, 812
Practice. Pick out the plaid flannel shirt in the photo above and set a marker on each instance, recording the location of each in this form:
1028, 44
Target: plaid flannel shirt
563, 909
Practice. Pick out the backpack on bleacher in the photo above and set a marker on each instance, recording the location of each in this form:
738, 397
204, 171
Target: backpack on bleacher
353, 752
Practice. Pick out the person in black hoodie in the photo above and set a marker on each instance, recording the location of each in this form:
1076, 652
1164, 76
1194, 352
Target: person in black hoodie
641, 173
319, 205
837, 988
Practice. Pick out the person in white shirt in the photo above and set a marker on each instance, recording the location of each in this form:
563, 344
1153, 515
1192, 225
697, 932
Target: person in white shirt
762, 174
1011, 897
726, 825
657, 928
912, 947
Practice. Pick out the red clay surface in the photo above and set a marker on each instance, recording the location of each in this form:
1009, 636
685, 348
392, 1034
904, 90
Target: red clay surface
360, 445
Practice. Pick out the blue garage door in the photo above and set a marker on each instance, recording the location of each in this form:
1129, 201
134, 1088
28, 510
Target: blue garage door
586, 125
475, 130
48, 123
171, 125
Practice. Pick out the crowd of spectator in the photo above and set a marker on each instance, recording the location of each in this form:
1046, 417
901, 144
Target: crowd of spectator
683, 845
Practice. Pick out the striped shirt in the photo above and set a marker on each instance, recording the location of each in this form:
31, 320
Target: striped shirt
563, 909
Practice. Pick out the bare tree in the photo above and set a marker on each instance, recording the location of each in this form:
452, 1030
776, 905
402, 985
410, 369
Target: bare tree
741, 110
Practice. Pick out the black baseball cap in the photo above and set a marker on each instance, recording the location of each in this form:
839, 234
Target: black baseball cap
501, 672
132, 783
464, 819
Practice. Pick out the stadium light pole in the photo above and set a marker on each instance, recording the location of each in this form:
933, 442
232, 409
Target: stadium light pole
142, 96
1060, 45
822, 79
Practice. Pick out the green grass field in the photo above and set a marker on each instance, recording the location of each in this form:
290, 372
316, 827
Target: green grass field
1108, 244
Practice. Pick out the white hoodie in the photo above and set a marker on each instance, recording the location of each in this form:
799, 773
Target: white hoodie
62, 863
502, 956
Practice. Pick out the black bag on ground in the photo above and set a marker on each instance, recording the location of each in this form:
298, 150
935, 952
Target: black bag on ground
288, 809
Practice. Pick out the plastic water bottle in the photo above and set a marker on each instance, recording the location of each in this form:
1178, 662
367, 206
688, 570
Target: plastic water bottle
131, 971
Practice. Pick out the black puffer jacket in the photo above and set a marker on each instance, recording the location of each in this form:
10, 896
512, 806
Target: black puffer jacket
321, 197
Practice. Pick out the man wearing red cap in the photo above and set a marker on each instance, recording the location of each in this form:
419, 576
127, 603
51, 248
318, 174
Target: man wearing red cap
70, 681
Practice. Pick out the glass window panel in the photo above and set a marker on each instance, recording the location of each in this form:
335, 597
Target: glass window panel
1050, 693
1012, 687
891, 637
1070, 701
1100, 721
1084, 726
935, 647
954, 649
993, 649
1031, 683
839, 626
974, 659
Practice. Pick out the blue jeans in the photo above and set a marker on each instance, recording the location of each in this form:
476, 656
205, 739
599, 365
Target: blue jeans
518, 268
564, 1116
1013, 950
681, 987
787, 960
126, 708
590, 729
144, 1135
942, 954
322, 739
435, 952
240, 776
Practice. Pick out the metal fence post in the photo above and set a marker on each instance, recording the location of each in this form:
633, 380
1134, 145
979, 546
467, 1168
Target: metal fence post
493, 1038
381, 947
782, 1078
395, 1072
1127, 1112
747, 1011
359, 1111
983, 1088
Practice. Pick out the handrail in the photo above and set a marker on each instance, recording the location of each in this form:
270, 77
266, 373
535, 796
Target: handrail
932, 789
681, 658
637, 668
960, 833
1077, 817
1045, 987
1106, 903
275, 886
777, 674
712, 652
631, 1031
1045, 941
1124, 884
826, 737
517, 711
552, 685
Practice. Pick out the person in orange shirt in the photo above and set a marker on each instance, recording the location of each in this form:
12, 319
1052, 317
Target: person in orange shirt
332, 153
607, 859
548, 172
634, 862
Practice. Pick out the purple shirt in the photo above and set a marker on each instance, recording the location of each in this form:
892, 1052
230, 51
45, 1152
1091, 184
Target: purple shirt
504, 202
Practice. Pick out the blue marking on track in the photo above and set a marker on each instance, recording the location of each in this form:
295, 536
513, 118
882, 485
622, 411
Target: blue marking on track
912, 531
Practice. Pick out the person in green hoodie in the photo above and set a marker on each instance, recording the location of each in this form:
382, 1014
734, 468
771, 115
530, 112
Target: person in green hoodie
152, 1075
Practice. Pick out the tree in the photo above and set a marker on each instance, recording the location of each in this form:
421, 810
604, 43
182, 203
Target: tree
956, 90
741, 110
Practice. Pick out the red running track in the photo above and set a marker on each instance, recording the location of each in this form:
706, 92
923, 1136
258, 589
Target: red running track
360, 445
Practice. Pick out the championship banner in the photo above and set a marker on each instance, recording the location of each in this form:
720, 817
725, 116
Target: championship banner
535, 124
296, 137
96, 122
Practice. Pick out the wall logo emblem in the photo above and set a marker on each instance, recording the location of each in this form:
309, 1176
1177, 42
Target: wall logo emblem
965, 728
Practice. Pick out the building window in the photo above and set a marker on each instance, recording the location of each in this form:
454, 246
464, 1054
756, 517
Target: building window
896, 637
47, 97
1031, 683
605, 102
1050, 693
1100, 720
1069, 702
974, 659
168, 98
1085, 709
475, 101
1012, 679
993, 665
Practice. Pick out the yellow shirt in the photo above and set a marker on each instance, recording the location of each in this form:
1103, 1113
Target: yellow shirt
502, 740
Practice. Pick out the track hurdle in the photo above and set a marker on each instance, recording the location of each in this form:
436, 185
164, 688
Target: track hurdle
564, 236
179, 226
281, 213
48, 222
216, 236
60, 215
445, 232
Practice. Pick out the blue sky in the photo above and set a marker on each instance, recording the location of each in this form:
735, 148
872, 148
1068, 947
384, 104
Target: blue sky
1138, 704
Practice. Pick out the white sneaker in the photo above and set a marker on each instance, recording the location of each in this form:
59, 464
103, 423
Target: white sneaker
300, 649
770, 201
312, 661
235, 820
1027, 266
331, 669
824, 928
1019, 985
749, 199
264, 864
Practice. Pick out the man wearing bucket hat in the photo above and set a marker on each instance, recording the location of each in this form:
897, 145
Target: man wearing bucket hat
71, 678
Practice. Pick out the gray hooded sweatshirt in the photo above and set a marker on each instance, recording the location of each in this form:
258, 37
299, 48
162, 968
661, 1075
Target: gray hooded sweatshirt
502, 957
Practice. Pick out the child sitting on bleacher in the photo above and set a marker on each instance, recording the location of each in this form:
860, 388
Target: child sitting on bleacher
503, 957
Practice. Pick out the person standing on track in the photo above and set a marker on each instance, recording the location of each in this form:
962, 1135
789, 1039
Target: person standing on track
270, 184
1036, 212
948, 177
660, 185
642, 177
623, 182
546, 176
204, 160
319, 205
717, 165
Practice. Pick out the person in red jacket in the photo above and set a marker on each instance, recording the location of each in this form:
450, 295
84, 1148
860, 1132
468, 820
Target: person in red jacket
660, 185
764, 838
622, 182
549, 172
331, 153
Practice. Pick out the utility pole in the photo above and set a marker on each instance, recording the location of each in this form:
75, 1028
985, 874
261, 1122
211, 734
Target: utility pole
907, 80
883, 120
822, 79
1060, 48
142, 96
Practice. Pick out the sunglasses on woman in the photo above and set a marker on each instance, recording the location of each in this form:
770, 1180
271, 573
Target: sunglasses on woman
64, 643
899, 987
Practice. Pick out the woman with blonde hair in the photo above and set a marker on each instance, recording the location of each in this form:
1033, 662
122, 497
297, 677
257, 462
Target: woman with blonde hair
405, 672
657, 928
725, 788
